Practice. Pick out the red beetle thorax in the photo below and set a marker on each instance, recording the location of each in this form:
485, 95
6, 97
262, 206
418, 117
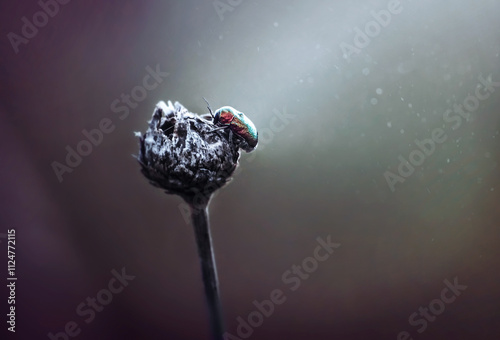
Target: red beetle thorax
226, 117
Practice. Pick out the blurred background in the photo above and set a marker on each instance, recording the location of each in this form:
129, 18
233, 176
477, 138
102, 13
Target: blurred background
339, 90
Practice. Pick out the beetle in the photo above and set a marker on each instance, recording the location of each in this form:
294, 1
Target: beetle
238, 123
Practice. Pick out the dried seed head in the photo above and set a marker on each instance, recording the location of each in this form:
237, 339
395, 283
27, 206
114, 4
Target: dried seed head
181, 153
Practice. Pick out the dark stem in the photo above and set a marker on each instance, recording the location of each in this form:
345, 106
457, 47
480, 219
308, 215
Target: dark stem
199, 216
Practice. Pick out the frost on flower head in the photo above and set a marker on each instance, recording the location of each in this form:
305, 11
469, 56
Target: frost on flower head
181, 153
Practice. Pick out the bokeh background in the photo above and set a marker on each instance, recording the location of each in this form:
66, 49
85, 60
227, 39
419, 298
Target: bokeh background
318, 171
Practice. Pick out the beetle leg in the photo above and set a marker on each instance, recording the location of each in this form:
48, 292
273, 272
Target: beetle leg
231, 134
220, 128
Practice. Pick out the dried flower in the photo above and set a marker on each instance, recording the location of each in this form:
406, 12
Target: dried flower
191, 157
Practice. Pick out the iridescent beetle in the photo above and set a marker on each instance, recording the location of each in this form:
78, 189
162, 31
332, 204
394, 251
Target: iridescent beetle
228, 117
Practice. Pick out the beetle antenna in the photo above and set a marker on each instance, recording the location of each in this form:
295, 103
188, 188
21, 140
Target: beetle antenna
208, 107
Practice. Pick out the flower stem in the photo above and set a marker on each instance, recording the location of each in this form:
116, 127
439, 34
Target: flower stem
199, 216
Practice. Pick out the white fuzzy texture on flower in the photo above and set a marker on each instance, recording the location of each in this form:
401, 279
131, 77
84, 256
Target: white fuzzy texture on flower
183, 154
